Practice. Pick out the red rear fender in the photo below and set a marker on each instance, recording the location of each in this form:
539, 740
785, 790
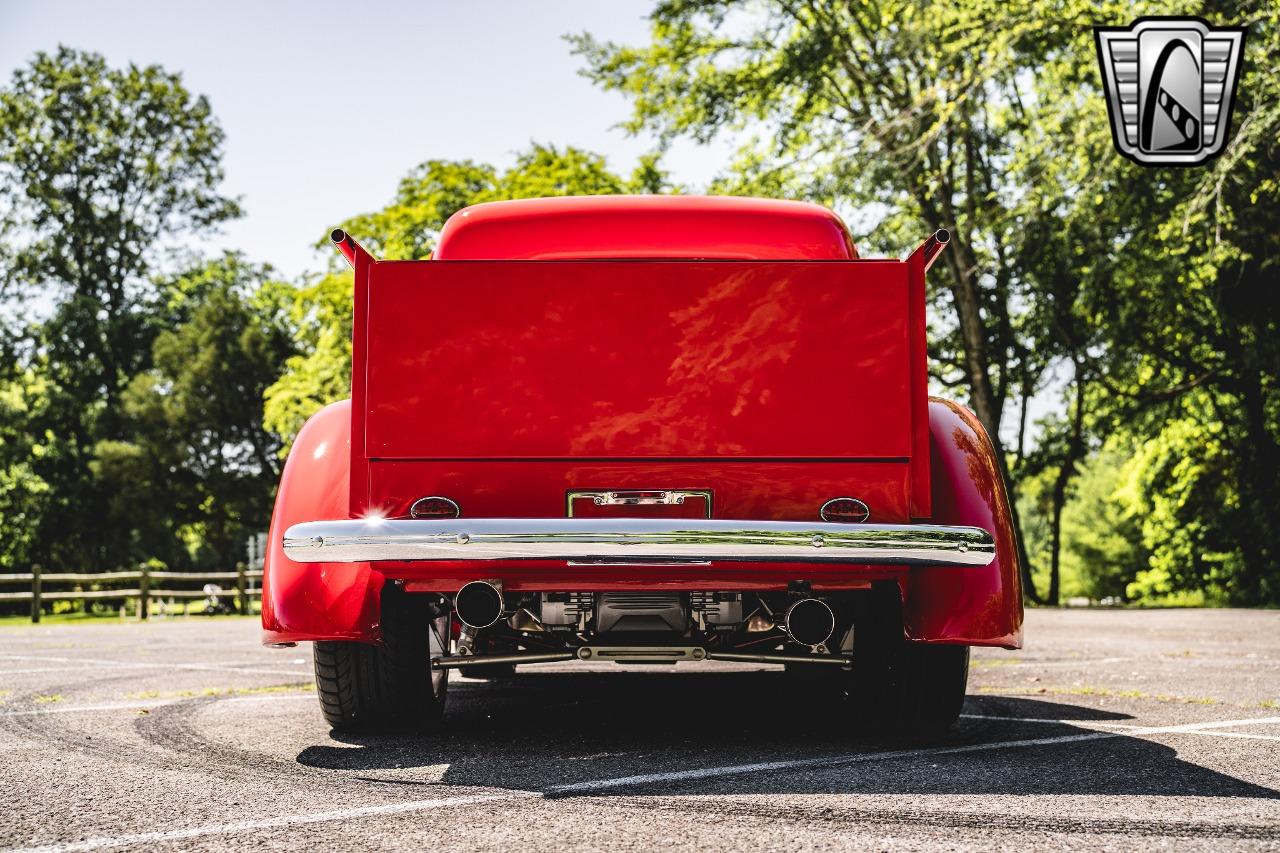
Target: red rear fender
303, 602
980, 607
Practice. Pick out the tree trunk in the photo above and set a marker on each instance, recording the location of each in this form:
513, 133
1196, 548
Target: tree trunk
1255, 480
1067, 469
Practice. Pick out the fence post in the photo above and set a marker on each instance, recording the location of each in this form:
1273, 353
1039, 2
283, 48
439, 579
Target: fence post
242, 596
144, 590
35, 594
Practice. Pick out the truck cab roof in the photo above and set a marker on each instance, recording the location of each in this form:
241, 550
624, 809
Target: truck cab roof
645, 226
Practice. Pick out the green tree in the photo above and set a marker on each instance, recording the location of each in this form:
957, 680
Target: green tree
198, 452
24, 495
1101, 532
319, 372
1178, 288
101, 170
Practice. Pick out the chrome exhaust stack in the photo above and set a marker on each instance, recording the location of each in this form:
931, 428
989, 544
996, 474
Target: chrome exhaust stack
479, 604
810, 622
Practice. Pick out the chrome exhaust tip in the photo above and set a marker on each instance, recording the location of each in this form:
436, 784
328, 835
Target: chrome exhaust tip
479, 604
810, 622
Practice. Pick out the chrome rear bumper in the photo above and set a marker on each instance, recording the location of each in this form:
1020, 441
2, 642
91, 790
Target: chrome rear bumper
636, 539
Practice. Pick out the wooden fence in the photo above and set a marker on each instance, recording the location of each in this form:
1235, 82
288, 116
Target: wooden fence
140, 587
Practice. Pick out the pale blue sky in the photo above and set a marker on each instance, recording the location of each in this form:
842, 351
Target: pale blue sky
326, 105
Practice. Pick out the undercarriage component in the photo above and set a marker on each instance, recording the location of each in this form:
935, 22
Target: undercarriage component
458, 661
566, 611
636, 654
716, 610
641, 611
642, 654
748, 657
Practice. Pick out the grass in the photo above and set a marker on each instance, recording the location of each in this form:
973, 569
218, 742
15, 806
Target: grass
994, 663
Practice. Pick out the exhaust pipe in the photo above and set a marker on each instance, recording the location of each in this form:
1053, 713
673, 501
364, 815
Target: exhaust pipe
479, 604
350, 249
810, 622
927, 252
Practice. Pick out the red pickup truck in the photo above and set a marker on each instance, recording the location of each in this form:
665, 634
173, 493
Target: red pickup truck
642, 430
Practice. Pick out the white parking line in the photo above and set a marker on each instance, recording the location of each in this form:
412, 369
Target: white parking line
1245, 735
145, 838
602, 785
1001, 663
117, 664
42, 669
144, 704
1203, 729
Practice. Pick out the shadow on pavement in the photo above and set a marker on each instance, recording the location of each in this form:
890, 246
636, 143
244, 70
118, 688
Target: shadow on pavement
539, 730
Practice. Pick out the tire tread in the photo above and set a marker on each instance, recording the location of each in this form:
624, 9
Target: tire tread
386, 687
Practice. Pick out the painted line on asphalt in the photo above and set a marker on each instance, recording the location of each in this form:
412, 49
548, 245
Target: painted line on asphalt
1001, 663
1245, 735
96, 662
1202, 729
143, 704
124, 666
4, 672
169, 835
599, 786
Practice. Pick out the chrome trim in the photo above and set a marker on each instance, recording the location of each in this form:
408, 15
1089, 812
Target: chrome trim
644, 539
413, 509
638, 497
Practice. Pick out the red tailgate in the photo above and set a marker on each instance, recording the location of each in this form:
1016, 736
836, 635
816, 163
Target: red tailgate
637, 359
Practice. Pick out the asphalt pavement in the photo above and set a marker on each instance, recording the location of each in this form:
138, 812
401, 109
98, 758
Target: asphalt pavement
1110, 730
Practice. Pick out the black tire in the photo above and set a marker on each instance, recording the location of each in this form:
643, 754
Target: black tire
899, 686
933, 686
390, 686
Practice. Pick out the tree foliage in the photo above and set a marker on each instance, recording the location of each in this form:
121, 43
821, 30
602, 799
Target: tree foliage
99, 169
197, 443
102, 171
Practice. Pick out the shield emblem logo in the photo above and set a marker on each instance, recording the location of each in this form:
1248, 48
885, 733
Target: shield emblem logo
1170, 84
